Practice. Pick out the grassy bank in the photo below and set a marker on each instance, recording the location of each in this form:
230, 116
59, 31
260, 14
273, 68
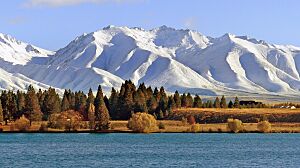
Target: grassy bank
249, 115
172, 126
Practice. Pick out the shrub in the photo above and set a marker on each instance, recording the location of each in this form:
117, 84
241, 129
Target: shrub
22, 124
68, 120
195, 128
43, 127
234, 125
161, 125
191, 120
184, 121
142, 122
264, 126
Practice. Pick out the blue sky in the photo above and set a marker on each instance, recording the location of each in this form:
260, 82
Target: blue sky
51, 24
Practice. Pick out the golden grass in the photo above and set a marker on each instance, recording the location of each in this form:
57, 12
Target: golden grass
243, 111
178, 126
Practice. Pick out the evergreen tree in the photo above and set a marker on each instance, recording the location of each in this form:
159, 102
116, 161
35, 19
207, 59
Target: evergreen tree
156, 94
197, 102
4, 100
113, 104
163, 102
91, 115
152, 105
223, 103
126, 100
51, 103
65, 104
160, 115
184, 101
1, 113
210, 104
32, 108
41, 96
217, 103
12, 105
236, 103
230, 104
80, 104
177, 99
189, 100
20, 103
140, 101
171, 103
101, 112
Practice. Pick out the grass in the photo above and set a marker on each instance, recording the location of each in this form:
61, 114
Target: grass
241, 111
172, 126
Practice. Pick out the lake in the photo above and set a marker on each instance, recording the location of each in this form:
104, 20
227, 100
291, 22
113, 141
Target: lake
150, 150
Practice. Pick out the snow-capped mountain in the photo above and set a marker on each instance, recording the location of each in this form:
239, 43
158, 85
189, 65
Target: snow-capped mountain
183, 60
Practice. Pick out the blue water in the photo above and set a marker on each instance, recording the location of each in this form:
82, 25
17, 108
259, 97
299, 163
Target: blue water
149, 150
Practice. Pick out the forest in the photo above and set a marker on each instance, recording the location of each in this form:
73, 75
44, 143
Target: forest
45, 105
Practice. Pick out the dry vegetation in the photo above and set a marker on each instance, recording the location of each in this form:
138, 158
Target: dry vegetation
253, 120
252, 115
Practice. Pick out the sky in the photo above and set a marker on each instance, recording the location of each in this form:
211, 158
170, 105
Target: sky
52, 24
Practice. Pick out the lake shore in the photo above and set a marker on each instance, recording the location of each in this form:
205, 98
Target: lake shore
170, 126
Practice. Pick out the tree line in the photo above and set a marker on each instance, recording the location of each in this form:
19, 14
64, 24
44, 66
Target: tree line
120, 105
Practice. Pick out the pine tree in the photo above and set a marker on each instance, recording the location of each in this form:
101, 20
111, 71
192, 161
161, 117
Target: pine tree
217, 103
184, 101
236, 103
223, 103
160, 115
91, 115
65, 104
1, 113
190, 100
4, 101
163, 102
177, 99
80, 104
32, 110
12, 105
140, 101
101, 112
51, 103
230, 104
113, 104
20, 103
197, 102
152, 105
126, 100
171, 103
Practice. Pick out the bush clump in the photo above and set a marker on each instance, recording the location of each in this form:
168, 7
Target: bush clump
194, 128
68, 120
264, 126
43, 127
161, 125
22, 124
234, 125
142, 123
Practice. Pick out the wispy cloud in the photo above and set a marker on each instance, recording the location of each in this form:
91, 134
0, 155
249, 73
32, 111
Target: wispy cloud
191, 23
16, 20
60, 3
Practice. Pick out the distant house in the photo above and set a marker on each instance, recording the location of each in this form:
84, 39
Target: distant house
249, 103
293, 107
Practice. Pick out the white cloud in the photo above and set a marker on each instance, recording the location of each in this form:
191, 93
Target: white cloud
59, 3
191, 23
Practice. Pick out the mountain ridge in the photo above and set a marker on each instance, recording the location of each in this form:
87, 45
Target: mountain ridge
183, 60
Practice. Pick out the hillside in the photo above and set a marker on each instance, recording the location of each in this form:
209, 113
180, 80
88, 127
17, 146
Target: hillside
183, 60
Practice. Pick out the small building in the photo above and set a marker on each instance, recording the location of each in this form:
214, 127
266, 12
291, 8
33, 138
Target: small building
293, 107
